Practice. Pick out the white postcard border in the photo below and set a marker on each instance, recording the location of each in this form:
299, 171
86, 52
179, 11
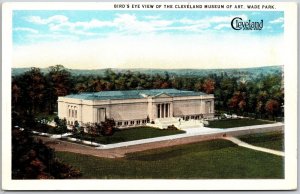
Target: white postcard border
290, 73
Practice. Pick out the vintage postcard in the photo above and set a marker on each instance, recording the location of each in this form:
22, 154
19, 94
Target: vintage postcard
149, 96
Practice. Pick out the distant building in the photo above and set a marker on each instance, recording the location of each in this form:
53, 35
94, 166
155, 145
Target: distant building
135, 107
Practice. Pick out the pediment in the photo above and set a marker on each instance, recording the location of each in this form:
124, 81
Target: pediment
162, 95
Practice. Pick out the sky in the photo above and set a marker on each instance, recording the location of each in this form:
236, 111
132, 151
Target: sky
145, 39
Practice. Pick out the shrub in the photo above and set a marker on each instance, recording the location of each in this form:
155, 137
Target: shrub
172, 127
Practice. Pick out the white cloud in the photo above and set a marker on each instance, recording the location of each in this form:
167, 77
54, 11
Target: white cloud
221, 26
152, 17
219, 19
94, 23
30, 30
205, 23
130, 24
54, 19
278, 20
52, 37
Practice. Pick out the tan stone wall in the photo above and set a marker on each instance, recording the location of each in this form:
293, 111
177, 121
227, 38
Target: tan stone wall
187, 107
124, 112
87, 114
62, 109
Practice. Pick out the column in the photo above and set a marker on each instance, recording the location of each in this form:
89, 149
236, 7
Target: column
167, 110
171, 110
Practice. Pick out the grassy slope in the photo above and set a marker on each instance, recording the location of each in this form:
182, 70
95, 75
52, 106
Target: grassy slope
272, 140
210, 159
236, 123
134, 134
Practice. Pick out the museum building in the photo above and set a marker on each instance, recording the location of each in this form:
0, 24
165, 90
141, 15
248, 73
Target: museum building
135, 107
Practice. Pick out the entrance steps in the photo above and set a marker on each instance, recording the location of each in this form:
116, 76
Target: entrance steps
179, 123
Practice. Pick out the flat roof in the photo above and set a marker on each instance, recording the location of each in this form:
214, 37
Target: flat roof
132, 94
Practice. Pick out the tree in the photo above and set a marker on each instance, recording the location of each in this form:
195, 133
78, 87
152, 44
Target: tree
59, 84
31, 159
108, 127
61, 126
32, 85
208, 86
272, 107
92, 130
198, 86
16, 93
238, 101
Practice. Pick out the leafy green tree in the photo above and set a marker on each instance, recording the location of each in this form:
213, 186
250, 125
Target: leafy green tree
60, 84
108, 127
61, 126
32, 159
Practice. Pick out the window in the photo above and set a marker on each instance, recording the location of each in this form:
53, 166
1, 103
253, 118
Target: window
126, 123
119, 123
197, 117
131, 122
138, 122
192, 117
75, 113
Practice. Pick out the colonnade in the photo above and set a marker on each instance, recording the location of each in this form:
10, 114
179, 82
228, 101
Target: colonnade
163, 110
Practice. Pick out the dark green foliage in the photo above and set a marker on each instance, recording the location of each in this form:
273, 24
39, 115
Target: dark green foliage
108, 127
230, 123
244, 92
172, 127
61, 125
31, 159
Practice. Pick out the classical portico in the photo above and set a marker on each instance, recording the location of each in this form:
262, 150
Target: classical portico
163, 110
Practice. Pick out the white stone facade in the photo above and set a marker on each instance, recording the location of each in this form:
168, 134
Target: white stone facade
137, 109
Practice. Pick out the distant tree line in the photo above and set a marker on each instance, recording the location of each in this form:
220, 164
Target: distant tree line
34, 92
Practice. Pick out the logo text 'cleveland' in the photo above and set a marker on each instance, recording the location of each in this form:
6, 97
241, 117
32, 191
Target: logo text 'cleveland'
237, 23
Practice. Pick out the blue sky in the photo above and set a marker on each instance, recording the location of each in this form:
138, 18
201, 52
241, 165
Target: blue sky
116, 30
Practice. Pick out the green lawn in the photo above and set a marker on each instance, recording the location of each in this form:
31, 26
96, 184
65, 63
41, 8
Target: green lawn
229, 123
271, 140
217, 159
133, 134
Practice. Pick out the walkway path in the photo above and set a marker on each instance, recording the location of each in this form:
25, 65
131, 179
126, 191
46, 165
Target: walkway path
191, 136
246, 145
199, 132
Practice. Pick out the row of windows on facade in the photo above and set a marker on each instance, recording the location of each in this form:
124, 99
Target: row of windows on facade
125, 123
72, 111
139, 122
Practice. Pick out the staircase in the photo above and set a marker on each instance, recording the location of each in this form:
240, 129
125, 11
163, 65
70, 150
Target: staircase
179, 123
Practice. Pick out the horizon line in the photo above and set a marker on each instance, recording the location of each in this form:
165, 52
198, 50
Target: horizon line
151, 68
